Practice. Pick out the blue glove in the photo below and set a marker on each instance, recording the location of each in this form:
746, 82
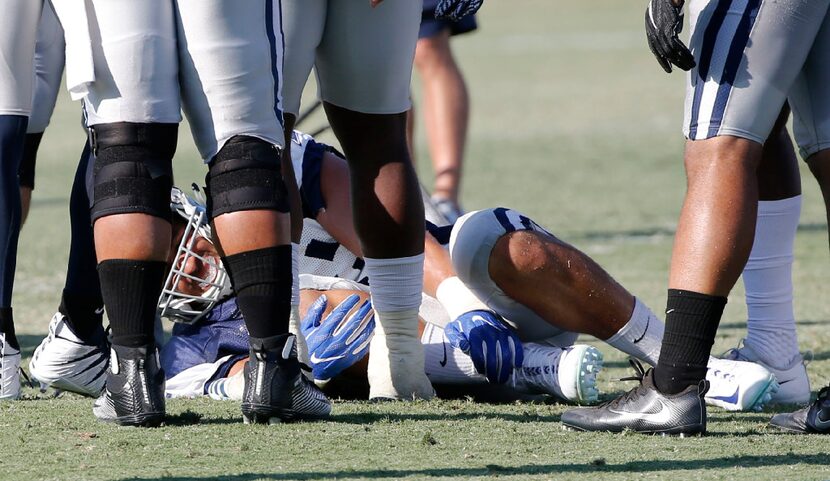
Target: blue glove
455, 10
493, 347
337, 342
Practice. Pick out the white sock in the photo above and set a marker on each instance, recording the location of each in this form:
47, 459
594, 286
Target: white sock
445, 365
641, 336
396, 356
396, 284
769, 286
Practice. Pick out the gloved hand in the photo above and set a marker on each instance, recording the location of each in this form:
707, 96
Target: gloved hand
337, 342
493, 347
455, 10
664, 22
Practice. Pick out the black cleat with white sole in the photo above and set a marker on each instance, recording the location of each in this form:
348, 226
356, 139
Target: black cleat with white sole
275, 388
814, 418
134, 391
644, 409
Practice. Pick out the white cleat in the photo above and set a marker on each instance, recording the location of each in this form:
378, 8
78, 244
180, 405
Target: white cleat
63, 361
794, 385
9, 371
569, 374
739, 385
396, 362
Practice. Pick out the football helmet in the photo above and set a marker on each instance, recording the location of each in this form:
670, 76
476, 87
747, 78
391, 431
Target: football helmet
174, 304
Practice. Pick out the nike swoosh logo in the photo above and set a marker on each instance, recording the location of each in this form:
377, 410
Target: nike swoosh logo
661, 417
648, 321
730, 399
99, 311
318, 360
822, 424
443, 362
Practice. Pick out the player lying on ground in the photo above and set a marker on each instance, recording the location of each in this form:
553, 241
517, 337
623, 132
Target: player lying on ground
615, 316
326, 245
201, 354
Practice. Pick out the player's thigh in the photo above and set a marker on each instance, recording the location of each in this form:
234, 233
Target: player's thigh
748, 54
364, 62
134, 59
810, 97
230, 56
303, 24
49, 60
18, 31
472, 241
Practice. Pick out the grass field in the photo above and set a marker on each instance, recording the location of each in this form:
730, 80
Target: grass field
573, 123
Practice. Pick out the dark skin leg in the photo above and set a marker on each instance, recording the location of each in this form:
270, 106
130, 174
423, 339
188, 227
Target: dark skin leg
386, 198
819, 164
132, 236
717, 222
560, 284
778, 176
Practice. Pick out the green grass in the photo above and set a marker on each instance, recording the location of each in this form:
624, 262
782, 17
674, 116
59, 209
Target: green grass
573, 123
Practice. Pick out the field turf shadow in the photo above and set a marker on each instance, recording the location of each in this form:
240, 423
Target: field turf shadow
595, 466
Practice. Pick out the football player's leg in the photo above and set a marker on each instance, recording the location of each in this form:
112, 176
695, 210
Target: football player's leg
73, 357
303, 22
445, 108
18, 30
237, 125
728, 117
771, 335
132, 109
49, 61
366, 99
811, 109
550, 290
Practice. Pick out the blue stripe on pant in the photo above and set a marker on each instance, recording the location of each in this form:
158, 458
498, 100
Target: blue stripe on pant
733, 62
707, 50
275, 58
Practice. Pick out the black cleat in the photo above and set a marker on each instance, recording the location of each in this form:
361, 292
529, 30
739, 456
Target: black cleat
134, 391
814, 418
644, 409
275, 389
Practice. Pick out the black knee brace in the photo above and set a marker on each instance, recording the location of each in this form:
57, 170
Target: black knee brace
133, 170
245, 175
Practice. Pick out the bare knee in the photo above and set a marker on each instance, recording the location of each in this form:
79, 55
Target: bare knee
521, 253
433, 51
722, 154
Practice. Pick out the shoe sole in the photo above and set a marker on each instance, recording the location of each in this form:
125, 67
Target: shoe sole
758, 401
265, 414
146, 420
680, 431
590, 361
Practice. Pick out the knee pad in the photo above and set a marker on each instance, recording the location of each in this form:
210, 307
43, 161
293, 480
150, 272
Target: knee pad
245, 175
133, 168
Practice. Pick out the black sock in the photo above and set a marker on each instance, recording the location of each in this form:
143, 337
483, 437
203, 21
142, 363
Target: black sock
691, 323
84, 315
7, 327
262, 281
131, 290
